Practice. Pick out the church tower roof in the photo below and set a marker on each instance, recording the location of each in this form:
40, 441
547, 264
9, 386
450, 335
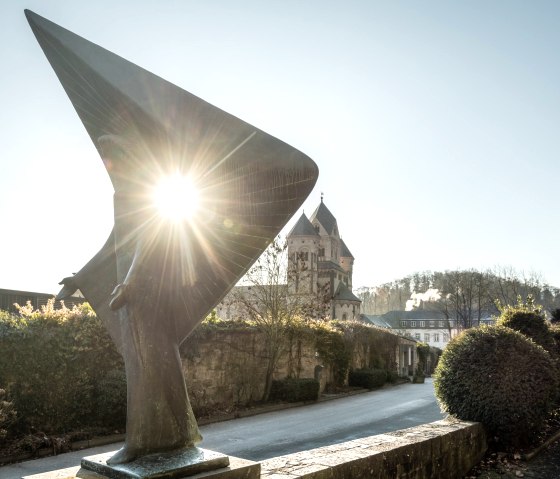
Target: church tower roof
303, 227
345, 294
344, 251
326, 218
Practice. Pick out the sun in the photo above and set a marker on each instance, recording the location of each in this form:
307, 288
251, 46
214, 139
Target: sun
176, 198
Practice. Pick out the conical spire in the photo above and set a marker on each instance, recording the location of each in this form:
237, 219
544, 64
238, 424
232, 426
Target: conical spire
303, 227
323, 215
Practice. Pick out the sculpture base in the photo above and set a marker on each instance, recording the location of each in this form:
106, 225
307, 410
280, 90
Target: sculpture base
169, 465
237, 469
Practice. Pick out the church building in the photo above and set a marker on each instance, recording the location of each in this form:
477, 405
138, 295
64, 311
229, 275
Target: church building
322, 264
319, 273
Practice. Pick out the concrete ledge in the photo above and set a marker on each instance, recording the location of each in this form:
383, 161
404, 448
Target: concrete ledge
443, 449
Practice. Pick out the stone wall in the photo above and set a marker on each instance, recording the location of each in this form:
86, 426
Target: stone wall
227, 367
440, 450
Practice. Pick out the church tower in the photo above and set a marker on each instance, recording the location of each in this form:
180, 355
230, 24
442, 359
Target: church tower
303, 249
346, 262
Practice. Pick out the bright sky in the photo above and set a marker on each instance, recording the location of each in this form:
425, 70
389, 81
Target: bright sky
435, 124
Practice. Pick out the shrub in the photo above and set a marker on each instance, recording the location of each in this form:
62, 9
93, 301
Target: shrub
528, 319
111, 399
423, 351
7, 415
295, 390
499, 377
53, 367
392, 376
367, 378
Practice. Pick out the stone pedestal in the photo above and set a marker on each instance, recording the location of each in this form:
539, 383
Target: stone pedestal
169, 465
237, 469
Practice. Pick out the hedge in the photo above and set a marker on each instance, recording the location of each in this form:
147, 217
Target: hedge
61, 370
367, 378
295, 390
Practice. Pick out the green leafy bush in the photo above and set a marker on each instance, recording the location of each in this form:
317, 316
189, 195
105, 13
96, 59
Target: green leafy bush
53, 367
392, 377
8, 415
111, 399
499, 377
423, 351
367, 378
528, 319
295, 390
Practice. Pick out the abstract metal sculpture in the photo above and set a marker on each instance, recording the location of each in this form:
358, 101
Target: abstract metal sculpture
155, 279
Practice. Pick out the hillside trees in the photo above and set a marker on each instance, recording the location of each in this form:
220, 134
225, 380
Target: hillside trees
465, 295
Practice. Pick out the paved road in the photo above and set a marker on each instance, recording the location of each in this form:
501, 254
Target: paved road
292, 430
284, 432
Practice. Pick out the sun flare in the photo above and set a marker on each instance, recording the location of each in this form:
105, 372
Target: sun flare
176, 198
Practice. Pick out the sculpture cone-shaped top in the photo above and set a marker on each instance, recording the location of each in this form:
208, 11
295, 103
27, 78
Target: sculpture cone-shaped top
145, 127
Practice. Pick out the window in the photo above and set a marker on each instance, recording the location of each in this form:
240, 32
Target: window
426, 337
436, 337
413, 324
432, 324
422, 324
403, 324
321, 251
445, 337
344, 317
417, 336
441, 324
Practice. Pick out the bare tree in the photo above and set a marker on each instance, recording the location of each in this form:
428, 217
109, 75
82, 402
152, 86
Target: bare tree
464, 297
509, 284
265, 299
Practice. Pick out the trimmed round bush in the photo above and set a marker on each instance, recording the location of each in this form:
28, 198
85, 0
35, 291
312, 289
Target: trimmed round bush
529, 321
367, 378
499, 377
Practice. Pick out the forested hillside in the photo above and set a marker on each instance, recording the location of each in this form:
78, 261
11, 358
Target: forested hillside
466, 295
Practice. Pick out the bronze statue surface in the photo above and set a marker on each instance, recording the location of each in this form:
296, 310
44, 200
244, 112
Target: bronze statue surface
155, 279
